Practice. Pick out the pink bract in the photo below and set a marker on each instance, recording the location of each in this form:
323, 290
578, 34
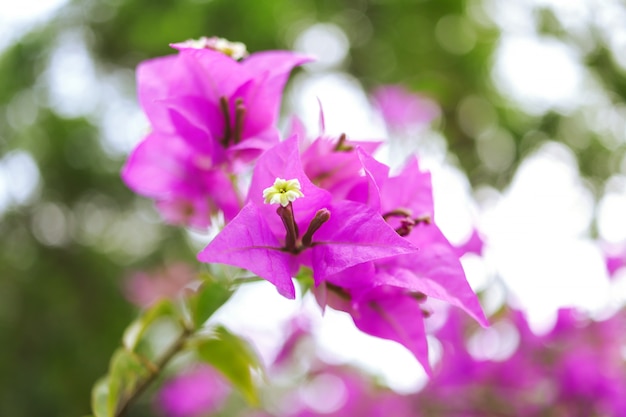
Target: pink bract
211, 116
198, 392
255, 239
402, 109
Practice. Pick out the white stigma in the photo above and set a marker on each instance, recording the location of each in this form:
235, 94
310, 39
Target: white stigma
282, 192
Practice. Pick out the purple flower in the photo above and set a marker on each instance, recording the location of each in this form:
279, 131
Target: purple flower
195, 393
269, 242
385, 296
335, 391
210, 115
145, 288
379, 310
299, 332
335, 164
403, 110
225, 109
615, 258
576, 369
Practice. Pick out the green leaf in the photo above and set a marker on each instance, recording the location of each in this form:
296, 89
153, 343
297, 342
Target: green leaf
234, 358
126, 371
134, 332
99, 398
210, 296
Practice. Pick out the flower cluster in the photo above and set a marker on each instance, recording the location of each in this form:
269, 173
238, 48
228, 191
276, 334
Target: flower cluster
325, 208
211, 115
576, 369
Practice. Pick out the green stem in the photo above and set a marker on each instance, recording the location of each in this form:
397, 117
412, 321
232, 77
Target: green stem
155, 371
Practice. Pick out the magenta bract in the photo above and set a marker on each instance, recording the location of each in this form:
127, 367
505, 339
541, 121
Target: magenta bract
256, 238
210, 116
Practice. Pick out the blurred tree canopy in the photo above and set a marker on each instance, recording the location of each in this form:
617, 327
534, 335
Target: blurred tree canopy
71, 231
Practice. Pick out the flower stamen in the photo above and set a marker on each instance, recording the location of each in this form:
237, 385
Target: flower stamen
341, 144
226, 113
406, 221
320, 218
240, 111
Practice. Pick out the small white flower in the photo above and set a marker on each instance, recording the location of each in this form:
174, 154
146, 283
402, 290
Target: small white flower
235, 50
282, 192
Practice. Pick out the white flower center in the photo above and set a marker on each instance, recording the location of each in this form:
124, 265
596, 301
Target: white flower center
235, 50
282, 192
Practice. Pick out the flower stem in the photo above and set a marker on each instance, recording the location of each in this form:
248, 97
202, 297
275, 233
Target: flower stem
155, 370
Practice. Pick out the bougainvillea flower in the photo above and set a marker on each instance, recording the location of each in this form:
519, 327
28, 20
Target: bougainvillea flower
575, 369
162, 168
384, 311
198, 392
225, 109
210, 115
403, 110
615, 263
334, 164
145, 288
615, 258
379, 294
267, 240
386, 297
406, 202
298, 333
340, 391
331, 163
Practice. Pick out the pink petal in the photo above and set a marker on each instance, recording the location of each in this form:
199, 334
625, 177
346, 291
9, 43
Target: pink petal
247, 242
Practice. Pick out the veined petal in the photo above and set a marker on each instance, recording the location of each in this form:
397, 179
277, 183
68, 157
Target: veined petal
354, 234
435, 270
248, 242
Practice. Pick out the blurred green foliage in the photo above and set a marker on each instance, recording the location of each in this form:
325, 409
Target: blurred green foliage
62, 310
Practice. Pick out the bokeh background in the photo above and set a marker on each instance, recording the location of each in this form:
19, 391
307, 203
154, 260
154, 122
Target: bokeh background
532, 130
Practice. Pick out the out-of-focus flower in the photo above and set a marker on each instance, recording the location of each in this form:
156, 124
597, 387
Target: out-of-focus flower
403, 110
299, 332
335, 164
615, 258
577, 369
474, 244
198, 392
145, 288
210, 115
335, 391
385, 297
